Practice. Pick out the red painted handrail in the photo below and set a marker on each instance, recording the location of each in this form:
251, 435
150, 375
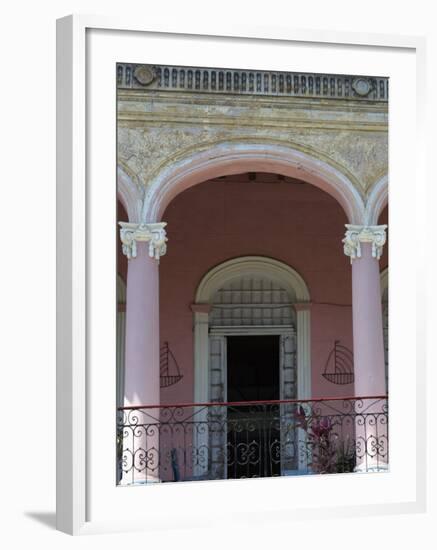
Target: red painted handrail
245, 403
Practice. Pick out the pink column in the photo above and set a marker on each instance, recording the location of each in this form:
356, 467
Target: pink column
369, 364
142, 330
364, 246
143, 245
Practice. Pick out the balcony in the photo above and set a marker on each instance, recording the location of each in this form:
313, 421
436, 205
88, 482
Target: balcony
208, 441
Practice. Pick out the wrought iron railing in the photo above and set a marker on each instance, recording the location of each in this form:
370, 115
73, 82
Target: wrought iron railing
251, 439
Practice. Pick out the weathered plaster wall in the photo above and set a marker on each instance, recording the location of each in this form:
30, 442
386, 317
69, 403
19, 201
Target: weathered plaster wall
156, 128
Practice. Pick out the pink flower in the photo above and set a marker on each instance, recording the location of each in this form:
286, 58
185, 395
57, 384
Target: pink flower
322, 427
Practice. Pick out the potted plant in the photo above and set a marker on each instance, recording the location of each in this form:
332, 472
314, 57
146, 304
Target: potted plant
327, 452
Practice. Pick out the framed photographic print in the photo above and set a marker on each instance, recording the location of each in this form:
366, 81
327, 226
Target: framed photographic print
228, 324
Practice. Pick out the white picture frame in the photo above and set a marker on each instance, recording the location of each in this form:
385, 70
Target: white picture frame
76, 240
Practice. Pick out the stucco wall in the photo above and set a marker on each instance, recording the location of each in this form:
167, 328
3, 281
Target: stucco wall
292, 222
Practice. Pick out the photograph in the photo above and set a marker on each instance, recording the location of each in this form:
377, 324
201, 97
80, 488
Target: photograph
252, 274
204, 346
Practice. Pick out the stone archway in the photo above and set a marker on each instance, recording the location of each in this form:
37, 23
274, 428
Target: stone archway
236, 157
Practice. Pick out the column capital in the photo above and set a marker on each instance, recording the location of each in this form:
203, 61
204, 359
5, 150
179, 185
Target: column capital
152, 233
357, 234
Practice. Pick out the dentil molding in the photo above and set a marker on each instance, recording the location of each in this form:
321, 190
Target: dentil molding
357, 234
152, 233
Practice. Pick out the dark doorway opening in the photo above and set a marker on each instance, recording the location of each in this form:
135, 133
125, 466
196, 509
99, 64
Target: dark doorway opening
253, 436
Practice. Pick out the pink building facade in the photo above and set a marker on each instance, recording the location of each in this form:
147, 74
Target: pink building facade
249, 273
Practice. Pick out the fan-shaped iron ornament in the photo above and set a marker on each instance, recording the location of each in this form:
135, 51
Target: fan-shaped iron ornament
339, 366
169, 369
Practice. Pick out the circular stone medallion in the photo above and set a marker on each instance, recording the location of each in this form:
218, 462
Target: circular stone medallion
361, 86
144, 74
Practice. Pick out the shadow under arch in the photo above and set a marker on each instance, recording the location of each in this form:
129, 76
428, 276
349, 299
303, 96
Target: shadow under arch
228, 158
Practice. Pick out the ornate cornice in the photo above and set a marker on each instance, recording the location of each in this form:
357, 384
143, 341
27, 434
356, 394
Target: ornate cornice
152, 233
357, 234
248, 82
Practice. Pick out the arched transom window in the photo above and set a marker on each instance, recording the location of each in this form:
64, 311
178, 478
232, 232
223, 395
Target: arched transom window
252, 301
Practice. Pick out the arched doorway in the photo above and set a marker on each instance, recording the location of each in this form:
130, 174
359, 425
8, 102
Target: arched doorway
252, 344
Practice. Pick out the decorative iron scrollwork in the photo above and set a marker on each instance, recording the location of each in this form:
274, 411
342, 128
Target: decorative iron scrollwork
205, 441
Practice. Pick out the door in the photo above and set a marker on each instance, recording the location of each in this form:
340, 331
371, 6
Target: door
253, 431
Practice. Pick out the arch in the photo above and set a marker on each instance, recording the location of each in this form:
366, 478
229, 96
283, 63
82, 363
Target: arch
130, 195
210, 349
261, 266
377, 200
282, 274
231, 157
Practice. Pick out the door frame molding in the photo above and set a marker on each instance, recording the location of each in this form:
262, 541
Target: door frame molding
261, 266
222, 333
282, 331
